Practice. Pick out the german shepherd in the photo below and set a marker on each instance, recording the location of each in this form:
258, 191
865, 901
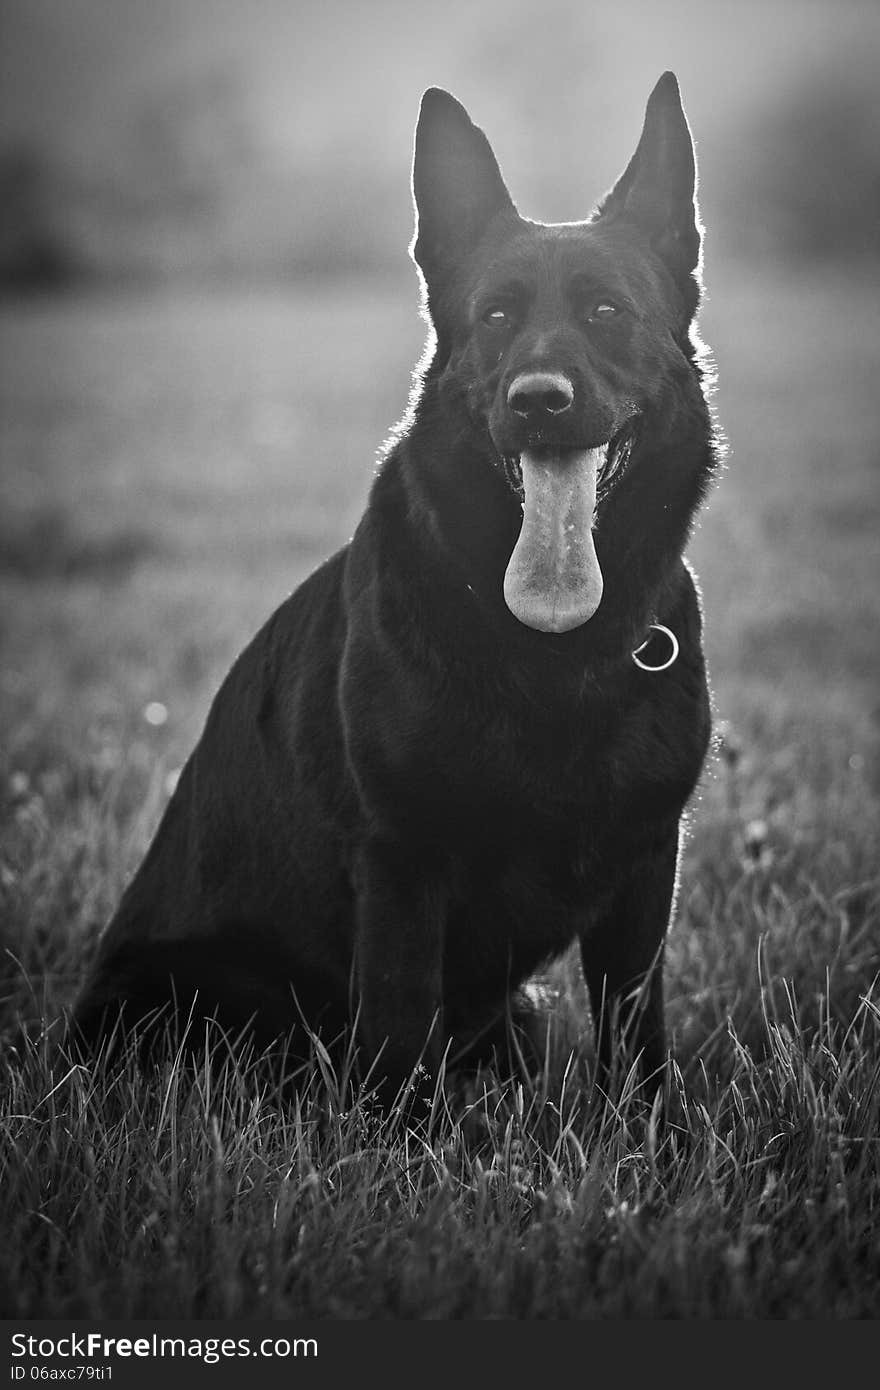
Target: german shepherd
467, 740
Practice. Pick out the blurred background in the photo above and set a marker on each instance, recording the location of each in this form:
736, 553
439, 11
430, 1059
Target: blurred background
220, 138
208, 321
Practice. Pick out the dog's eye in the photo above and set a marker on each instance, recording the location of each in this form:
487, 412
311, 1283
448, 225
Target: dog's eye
496, 317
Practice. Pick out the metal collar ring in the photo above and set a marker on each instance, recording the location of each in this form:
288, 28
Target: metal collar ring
673, 649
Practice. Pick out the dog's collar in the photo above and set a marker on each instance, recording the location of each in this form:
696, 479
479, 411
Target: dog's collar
671, 653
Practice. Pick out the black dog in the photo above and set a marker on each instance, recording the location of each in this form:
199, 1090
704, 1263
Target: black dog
440, 762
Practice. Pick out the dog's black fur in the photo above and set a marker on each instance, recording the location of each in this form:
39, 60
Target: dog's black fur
406, 799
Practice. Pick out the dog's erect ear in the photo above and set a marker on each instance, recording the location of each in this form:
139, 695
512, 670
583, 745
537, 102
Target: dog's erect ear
457, 185
656, 191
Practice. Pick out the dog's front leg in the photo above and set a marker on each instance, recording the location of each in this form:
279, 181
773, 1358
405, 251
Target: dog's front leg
622, 955
401, 913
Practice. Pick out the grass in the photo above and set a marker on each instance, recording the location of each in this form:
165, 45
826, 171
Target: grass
213, 1196
171, 468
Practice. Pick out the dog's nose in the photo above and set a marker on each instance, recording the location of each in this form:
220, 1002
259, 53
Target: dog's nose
540, 393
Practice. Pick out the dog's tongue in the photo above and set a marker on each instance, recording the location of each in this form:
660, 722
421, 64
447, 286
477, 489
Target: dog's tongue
553, 581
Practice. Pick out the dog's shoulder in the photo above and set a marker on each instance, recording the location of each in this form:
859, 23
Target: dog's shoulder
682, 691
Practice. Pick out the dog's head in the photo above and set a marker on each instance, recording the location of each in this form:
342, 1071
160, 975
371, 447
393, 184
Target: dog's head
564, 342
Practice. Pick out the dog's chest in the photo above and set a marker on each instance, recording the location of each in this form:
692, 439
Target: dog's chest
494, 774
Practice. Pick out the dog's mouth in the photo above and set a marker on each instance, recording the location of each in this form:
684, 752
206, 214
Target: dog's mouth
553, 582
616, 453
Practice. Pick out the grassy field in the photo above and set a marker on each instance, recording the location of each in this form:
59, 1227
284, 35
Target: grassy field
171, 468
